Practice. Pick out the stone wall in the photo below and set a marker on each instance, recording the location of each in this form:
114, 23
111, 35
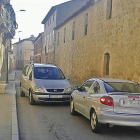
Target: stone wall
83, 57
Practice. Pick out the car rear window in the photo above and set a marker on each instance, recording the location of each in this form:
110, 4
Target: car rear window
48, 73
122, 87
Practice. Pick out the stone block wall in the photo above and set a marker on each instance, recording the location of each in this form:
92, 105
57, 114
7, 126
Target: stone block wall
83, 57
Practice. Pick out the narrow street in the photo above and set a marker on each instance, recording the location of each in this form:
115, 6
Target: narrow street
54, 122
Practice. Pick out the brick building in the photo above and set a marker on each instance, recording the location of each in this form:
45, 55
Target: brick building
102, 39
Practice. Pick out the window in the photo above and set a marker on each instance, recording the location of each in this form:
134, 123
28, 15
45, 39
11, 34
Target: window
53, 17
35, 51
86, 86
106, 63
73, 30
40, 60
86, 24
109, 9
95, 88
45, 26
25, 70
48, 73
120, 86
45, 50
21, 62
57, 38
29, 71
50, 20
64, 35
50, 40
53, 35
30, 76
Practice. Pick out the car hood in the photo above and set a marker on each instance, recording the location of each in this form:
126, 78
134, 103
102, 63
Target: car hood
52, 84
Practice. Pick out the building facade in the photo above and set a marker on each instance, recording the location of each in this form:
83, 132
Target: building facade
8, 26
39, 50
55, 17
23, 52
102, 39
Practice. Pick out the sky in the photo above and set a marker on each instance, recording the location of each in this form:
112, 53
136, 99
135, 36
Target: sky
29, 21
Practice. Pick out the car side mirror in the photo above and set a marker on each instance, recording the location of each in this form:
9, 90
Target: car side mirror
80, 89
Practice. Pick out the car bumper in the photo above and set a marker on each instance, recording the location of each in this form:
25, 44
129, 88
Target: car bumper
46, 97
106, 117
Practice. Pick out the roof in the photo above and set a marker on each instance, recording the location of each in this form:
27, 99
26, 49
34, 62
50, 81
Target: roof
51, 12
31, 38
83, 8
38, 37
113, 80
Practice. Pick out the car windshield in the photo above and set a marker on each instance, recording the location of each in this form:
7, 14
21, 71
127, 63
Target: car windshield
122, 87
48, 73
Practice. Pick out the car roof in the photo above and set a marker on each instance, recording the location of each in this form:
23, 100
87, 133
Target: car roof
44, 65
113, 80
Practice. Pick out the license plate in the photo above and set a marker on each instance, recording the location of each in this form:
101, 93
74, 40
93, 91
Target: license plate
55, 96
131, 103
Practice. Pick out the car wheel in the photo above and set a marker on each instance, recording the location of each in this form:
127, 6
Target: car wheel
31, 99
95, 125
22, 94
72, 109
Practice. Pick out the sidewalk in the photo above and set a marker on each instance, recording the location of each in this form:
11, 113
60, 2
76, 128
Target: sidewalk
8, 112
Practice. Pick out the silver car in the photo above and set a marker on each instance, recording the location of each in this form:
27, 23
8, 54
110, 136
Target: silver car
44, 83
107, 101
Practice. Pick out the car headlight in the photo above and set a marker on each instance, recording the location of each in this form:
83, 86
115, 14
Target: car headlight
39, 89
69, 90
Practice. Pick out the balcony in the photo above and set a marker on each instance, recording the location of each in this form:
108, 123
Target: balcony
8, 23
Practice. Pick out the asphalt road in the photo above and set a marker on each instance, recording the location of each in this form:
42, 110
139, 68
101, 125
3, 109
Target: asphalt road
54, 122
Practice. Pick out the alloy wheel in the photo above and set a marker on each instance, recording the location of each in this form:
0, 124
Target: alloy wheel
93, 120
71, 106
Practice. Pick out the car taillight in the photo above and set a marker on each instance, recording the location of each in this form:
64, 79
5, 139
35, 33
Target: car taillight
106, 100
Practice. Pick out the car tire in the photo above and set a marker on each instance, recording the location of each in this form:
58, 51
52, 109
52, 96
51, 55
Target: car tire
95, 125
72, 109
31, 99
22, 94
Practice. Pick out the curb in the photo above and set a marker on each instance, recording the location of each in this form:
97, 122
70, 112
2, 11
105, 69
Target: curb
15, 130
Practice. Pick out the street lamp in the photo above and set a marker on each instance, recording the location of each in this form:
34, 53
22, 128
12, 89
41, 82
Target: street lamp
22, 10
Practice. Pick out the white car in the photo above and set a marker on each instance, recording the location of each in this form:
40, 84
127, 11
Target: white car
107, 101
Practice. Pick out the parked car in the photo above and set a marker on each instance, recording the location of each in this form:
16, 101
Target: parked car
107, 101
44, 83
